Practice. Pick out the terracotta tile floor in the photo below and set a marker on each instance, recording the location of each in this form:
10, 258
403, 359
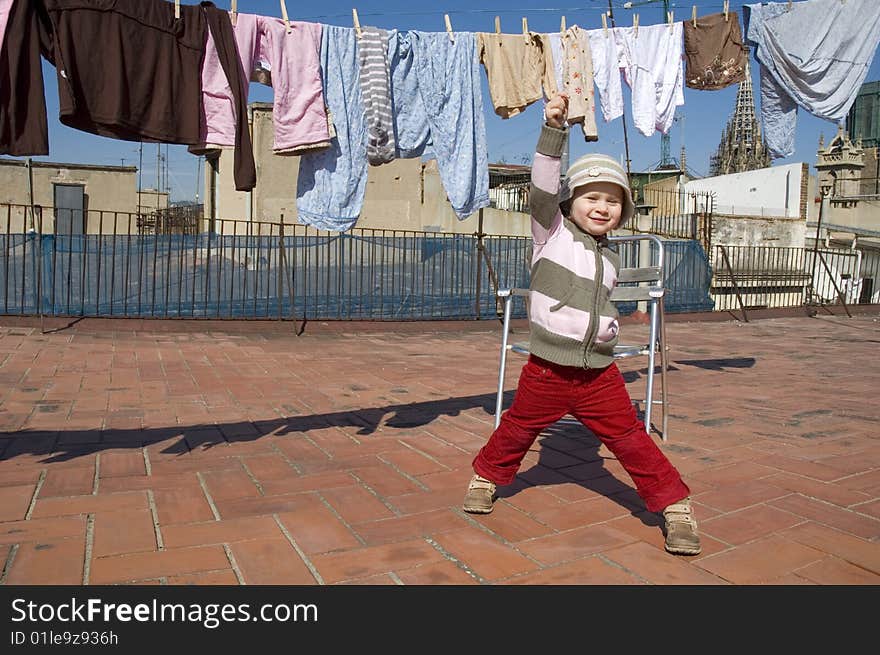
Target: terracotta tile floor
211, 453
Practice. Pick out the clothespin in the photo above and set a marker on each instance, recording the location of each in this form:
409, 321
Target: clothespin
726, 8
526, 29
497, 25
233, 11
635, 24
448, 27
284, 16
694, 15
605, 23
177, 8
357, 23
669, 18
789, 6
562, 26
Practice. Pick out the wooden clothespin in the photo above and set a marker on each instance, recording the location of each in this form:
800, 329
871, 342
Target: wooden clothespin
694, 15
562, 26
177, 8
526, 29
669, 18
789, 6
284, 16
357, 22
233, 11
497, 25
605, 23
726, 8
635, 24
448, 27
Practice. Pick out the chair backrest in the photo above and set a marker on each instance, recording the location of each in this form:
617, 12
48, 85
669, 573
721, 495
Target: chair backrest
634, 284
643, 283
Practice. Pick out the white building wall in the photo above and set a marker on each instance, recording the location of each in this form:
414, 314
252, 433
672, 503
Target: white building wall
774, 191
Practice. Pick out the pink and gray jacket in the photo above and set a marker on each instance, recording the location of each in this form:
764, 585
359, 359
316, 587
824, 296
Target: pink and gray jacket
572, 319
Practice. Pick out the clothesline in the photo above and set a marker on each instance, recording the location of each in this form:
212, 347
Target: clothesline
563, 11
599, 8
333, 88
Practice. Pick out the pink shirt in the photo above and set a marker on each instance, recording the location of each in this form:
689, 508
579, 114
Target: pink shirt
299, 116
5, 7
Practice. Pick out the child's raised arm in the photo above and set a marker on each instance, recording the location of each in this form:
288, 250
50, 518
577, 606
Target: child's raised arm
544, 192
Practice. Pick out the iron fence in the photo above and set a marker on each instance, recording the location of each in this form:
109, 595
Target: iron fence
260, 270
752, 277
244, 269
509, 189
677, 214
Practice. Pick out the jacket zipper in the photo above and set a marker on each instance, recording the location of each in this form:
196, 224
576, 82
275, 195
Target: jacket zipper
594, 314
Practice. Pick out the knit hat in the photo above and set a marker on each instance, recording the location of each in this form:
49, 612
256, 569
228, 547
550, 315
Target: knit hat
597, 168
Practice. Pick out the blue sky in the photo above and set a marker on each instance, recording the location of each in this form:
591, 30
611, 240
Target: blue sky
702, 117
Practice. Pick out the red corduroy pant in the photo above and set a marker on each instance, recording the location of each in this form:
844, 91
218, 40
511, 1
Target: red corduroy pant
597, 398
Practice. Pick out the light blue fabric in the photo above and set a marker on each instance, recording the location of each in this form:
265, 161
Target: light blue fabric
331, 183
437, 103
411, 129
814, 55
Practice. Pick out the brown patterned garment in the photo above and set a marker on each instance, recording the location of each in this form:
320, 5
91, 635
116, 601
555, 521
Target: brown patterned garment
715, 56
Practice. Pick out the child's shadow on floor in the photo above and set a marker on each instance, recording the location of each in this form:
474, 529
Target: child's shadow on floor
568, 453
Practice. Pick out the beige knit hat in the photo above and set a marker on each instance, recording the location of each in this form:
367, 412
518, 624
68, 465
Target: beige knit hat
597, 168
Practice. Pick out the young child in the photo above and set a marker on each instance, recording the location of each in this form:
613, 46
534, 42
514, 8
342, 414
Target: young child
573, 330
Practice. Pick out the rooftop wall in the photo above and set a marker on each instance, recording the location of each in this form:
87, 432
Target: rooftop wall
778, 191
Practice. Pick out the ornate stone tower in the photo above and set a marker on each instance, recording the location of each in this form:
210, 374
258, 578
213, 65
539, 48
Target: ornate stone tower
742, 147
840, 168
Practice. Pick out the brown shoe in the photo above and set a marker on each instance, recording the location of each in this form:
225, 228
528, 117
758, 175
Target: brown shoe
480, 496
682, 537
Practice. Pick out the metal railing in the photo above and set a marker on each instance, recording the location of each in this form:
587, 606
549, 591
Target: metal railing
677, 214
752, 277
245, 269
282, 271
509, 191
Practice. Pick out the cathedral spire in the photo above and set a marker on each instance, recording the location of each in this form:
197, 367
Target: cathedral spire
742, 147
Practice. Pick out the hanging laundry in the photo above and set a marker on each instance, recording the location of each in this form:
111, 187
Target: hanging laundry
558, 58
437, 111
289, 62
651, 58
412, 130
553, 77
715, 56
23, 121
519, 70
244, 169
375, 80
578, 81
813, 54
438, 97
606, 72
130, 70
299, 111
331, 182
217, 127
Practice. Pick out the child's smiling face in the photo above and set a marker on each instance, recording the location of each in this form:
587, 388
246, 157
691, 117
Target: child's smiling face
596, 208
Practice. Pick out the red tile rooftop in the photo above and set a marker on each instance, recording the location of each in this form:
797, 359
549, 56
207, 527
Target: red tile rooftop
239, 453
